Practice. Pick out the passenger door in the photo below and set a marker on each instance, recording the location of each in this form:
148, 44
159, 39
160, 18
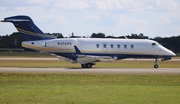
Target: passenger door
154, 48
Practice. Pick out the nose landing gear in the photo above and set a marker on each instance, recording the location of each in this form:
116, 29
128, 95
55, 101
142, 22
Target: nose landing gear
156, 63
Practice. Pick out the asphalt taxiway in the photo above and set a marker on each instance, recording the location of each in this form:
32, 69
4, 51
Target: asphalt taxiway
92, 70
26, 58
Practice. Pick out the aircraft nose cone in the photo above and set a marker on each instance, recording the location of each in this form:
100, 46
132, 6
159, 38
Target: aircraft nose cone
172, 53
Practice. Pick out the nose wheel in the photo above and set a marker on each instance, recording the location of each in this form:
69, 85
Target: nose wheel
156, 66
156, 63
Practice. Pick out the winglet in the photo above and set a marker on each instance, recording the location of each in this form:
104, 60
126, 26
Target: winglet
77, 50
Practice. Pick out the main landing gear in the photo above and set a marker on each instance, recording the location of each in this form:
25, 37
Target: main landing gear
156, 63
88, 65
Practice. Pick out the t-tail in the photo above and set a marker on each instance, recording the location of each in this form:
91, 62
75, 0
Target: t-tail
27, 29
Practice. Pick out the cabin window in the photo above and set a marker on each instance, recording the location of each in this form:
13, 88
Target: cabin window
118, 46
132, 46
125, 46
111, 45
32, 42
97, 45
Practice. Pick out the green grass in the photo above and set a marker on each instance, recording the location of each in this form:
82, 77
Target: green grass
37, 54
62, 64
24, 54
77, 88
45, 88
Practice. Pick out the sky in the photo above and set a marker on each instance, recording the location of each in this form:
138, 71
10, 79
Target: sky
153, 18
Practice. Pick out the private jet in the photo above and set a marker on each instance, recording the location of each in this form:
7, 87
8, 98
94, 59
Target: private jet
87, 51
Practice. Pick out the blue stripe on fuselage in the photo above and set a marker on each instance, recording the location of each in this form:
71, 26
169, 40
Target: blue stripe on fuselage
119, 56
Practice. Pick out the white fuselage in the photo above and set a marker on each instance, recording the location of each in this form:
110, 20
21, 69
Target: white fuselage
100, 46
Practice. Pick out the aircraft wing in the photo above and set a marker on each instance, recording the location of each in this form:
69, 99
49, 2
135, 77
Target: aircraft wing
84, 59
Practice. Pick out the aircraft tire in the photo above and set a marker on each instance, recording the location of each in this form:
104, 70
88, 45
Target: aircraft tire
88, 65
156, 66
83, 65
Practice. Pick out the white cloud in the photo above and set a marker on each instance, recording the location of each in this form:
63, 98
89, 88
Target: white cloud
92, 17
125, 21
72, 5
118, 5
164, 20
167, 4
2, 8
60, 19
177, 29
107, 4
39, 2
87, 16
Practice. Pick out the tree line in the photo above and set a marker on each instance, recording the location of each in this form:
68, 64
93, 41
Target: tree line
14, 40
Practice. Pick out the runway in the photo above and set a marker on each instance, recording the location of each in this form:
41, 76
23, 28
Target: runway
27, 58
93, 70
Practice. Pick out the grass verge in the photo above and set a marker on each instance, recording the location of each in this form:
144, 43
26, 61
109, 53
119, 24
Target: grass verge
38, 54
89, 88
24, 54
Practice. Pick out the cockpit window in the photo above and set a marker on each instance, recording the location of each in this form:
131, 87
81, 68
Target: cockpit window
153, 44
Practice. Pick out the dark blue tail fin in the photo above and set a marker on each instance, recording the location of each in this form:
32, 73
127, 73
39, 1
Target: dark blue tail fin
28, 30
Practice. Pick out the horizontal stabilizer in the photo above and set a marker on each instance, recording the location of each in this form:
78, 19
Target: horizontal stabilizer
15, 20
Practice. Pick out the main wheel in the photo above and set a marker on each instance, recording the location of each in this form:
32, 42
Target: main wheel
83, 65
88, 65
156, 66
